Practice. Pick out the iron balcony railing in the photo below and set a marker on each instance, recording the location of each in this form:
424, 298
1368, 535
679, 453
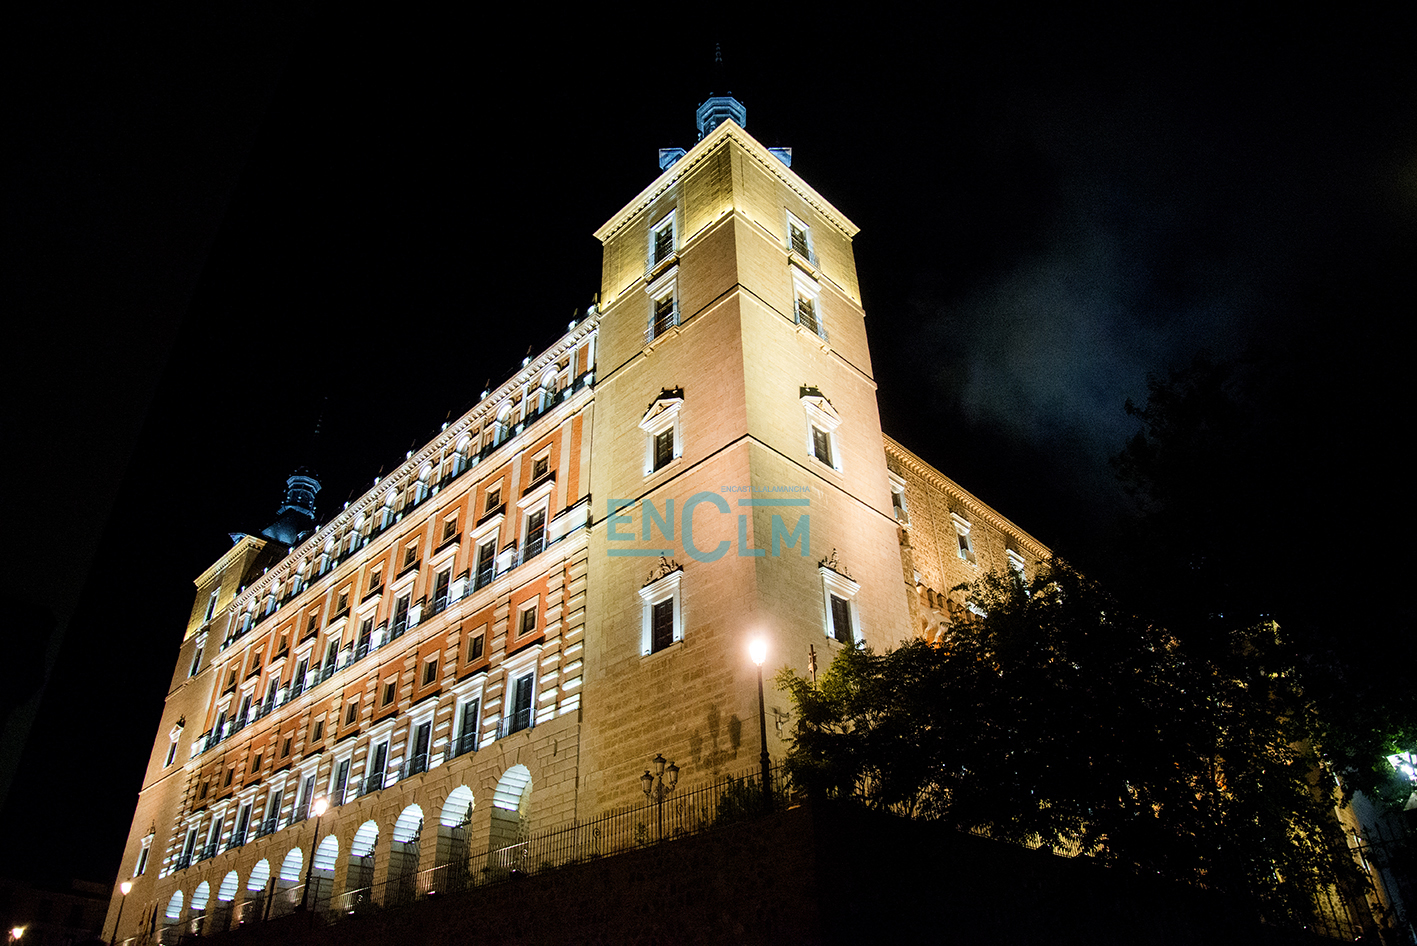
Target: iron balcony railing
462, 745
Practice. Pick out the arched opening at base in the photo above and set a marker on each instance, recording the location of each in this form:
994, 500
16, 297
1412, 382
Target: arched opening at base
322, 874
403, 857
511, 822
253, 908
451, 858
359, 872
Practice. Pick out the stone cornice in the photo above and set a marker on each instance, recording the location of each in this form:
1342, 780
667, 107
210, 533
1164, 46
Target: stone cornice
727, 131
976, 506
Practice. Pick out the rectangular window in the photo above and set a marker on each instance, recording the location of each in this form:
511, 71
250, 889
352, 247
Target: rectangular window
661, 239
351, 713
256, 764
799, 237
540, 467
450, 528
142, 866
520, 717
341, 779
966, 547
822, 445
374, 772
494, 498
535, 534
230, 774
486, 562
467, 727
318, 731
807, 314
400, 616
390, 691
663, 448
528, 621
171, 754
430, 671
211, 607
474, 650
441, 583
196, 661
662, 625
343, 604
422, 738
285, 747
665, 315
410, 555
841, 619
366, 635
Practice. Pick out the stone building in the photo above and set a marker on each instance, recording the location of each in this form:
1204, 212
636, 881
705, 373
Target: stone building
502, 632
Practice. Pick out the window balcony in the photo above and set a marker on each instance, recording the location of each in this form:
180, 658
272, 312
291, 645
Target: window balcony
267, 826
461, 746
371, 783
183, 862
207, 852
238, 838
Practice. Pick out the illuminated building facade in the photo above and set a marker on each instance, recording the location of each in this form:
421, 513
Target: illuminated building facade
562, 584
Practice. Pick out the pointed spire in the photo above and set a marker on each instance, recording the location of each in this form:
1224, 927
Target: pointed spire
720, 105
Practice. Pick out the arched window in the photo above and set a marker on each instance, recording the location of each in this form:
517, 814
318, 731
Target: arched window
359, 873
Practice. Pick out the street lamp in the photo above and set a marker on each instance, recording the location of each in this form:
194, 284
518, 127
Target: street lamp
666, 779
15, 933
758, 650
125, 887
319, 808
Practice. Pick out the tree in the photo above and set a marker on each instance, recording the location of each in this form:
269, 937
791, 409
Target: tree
1058, 716
1241, 491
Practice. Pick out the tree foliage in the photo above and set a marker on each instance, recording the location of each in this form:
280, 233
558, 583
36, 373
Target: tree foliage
1237, 495
1062, 718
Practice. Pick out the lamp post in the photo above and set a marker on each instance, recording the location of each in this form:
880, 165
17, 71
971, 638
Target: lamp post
660, 784
15, 933
125, 887
758, 650
319, 809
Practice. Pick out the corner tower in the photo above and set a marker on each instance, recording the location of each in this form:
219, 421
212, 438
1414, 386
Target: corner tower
739, 464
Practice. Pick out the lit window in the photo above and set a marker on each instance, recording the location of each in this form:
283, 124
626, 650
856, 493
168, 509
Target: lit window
806, 303
843, 618
143, 853
822, 424
662, 622
1015, 563
535, 534
663, 304
527, 623
661, 239
663, 430
966, 547
486, 562
521, 712
799, 239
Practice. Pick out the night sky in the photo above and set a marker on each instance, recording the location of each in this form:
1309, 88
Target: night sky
221, 226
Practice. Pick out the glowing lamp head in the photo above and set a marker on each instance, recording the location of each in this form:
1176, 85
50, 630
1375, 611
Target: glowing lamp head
16, 932
126, 887
321, 806
758, 650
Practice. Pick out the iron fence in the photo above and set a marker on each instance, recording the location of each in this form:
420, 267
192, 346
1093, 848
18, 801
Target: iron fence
721, 804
